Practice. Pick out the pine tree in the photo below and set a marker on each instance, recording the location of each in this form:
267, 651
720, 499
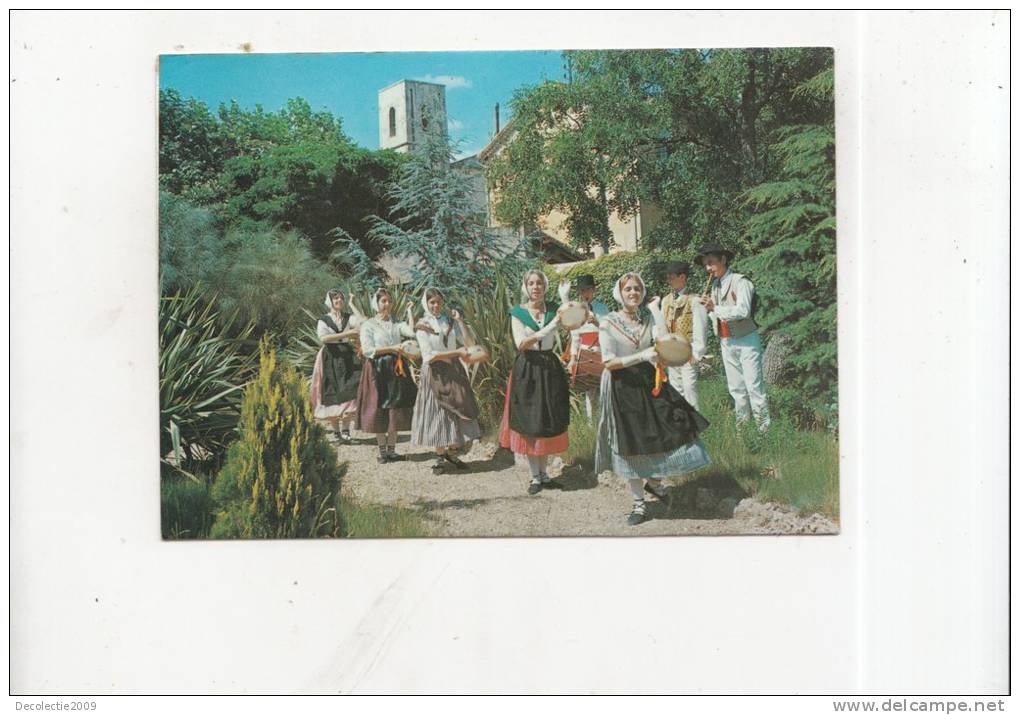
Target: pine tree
793, 233
439, 227
280, 479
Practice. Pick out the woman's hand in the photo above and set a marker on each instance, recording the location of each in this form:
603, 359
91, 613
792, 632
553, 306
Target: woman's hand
528, 342
457, 317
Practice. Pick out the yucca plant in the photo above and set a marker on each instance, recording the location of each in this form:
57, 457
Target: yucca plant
201, 374
488, 314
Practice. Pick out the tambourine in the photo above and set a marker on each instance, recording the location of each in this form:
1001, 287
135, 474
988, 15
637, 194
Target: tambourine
573, 314
476, 354
410, 348
673, 350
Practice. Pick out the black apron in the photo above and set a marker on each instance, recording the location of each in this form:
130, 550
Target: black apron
646, 424
341, 370
539, 394
395, 391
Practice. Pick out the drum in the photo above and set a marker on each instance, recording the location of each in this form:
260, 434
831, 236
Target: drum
410, 349
573, 314
673, 350
476, 354
588, 371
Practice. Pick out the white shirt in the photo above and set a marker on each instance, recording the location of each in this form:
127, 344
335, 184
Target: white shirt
432, 344
378, 333
614, 344
599, 310
323, 330
740, 286
522, 331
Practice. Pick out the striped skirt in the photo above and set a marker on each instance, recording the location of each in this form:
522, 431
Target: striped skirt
432, 426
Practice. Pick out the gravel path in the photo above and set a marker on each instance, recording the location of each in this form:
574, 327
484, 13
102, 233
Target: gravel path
490, 499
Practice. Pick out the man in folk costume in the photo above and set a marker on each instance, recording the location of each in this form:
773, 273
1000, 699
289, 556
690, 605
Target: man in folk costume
730, 305
585, 364
686, 318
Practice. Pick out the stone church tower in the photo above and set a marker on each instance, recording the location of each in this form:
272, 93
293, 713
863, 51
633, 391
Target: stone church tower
405, 109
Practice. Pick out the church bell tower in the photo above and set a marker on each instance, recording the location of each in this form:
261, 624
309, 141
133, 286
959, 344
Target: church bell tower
406, 109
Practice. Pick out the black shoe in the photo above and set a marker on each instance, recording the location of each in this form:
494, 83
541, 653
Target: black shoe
344, 438
383, 458
550, 483
635, 518
394, 457
661, 497
439, 466
454, 460
534, 488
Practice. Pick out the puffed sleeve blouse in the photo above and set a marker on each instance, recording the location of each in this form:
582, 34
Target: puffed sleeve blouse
378, 333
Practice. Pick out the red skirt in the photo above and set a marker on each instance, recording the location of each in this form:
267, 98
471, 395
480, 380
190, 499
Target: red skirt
372, 417
519, 444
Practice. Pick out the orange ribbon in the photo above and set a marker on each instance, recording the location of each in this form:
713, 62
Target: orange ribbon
660, 378
400, 366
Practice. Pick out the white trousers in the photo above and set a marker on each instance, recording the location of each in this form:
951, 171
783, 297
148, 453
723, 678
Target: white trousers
742, 358
684, 380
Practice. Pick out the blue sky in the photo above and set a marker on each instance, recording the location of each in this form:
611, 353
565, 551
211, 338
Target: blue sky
347, 84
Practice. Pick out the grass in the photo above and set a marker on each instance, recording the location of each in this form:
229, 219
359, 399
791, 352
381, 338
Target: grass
187, 512
787, 465
374, 521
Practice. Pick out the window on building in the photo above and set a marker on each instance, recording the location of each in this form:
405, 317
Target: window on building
393, 122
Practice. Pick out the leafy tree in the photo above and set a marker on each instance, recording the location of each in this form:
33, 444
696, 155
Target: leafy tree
255, 170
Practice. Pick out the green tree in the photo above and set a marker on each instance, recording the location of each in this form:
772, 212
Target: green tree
792, 232
437, 226
281, 478
257, 170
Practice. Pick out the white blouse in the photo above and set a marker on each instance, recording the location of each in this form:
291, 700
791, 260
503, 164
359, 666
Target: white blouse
323, 330
378, 333
522, 331
432, 344
614, 344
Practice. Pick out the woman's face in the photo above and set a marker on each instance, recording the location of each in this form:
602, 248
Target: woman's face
536, 287
385, 303
338, 302
435, 304
632, 293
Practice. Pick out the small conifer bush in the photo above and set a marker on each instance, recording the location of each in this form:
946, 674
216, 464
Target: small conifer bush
281, 478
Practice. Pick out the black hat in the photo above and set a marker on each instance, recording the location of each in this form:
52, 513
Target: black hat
585, 280
713, 248
679, 268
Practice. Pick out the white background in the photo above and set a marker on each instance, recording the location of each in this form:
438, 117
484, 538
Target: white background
911, 597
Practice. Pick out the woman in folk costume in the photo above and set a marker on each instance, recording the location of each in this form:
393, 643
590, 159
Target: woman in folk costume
647, 430
337, 369
386, 392
445, 413
537, 407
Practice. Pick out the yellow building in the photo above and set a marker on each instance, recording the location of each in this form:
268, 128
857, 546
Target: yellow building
625, 233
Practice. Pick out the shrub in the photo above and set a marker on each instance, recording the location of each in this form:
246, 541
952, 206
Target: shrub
201, 373
281, 478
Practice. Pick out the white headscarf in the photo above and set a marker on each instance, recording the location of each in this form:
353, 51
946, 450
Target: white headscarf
374, 302
329, 300
524, 282
618, 294
429, 318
